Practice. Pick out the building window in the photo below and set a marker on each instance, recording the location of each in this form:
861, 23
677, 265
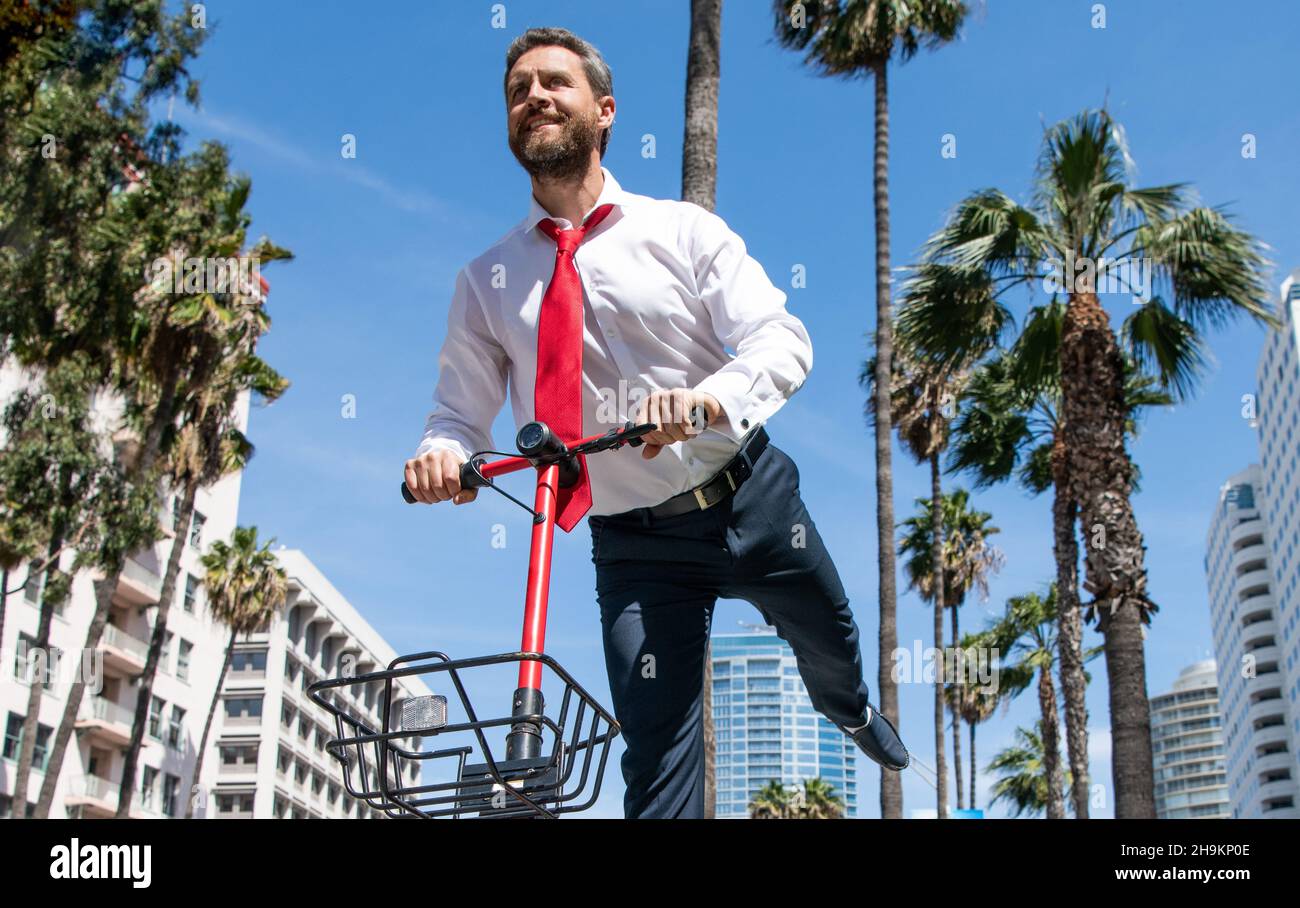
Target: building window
155, 718
249, 662
174, 728
13, 735
234, 804
196, 530
148, 787
183, 660
243, 708
171, 794
191, 592
13, 741
165, 659
176, 513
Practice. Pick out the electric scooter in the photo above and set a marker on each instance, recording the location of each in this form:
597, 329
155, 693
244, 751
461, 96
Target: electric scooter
553, 763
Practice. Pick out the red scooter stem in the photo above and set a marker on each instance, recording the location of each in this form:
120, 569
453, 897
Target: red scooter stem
539, 575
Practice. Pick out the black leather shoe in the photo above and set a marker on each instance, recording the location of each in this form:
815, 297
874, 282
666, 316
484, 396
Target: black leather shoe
879, 741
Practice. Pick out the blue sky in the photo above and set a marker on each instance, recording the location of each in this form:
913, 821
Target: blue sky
379, 238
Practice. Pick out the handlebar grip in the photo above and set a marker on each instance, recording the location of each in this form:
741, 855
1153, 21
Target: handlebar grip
469, 479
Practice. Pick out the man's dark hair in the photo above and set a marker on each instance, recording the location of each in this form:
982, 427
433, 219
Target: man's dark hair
599, 76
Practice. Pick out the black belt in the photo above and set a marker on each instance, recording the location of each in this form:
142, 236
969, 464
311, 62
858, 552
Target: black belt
724, 482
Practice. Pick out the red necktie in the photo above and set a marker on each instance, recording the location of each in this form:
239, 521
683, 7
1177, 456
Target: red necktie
557, 396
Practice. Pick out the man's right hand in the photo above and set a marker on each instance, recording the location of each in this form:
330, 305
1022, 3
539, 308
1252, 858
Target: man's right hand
435, 476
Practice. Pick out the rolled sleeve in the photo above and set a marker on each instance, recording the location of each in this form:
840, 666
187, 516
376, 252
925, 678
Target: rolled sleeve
773, 349
472, 375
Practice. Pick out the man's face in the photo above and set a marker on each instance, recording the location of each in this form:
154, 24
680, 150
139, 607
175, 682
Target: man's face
554, 121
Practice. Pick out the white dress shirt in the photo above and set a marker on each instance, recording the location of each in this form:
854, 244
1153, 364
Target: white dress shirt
666, 286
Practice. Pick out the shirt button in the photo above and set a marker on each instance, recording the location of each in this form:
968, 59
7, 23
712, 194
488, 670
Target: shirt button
610, 332
744, 423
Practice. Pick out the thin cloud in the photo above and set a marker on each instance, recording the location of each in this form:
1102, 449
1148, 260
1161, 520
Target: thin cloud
403, 198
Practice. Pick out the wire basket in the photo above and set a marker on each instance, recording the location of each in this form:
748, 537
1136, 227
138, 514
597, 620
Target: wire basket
387, 767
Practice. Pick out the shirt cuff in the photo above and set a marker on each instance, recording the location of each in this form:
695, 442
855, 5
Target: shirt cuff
442, 444
732, 391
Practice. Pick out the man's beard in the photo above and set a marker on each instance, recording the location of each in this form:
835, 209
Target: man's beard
563, 154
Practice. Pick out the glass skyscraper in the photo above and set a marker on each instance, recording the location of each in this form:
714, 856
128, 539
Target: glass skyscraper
766, 726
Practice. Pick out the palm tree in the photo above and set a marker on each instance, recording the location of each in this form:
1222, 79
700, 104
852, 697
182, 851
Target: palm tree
1010, 424
194, 205
208, 442
48, 474
246, 587
816, 800
1026, 638
209, 446
820, 802
1022, 783
700, 185
858, 39
967, 561
771, 803
921, 402
975, 703
1086, 230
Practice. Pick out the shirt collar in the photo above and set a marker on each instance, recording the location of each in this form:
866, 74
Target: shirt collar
611, 193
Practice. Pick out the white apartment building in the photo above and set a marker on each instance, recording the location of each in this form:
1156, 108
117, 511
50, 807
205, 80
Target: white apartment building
265, 753
182, 691
1257, 720
1278, 379
271, 736
1187, 743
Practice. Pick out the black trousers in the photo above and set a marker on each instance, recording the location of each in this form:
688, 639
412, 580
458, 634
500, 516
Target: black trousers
657, 584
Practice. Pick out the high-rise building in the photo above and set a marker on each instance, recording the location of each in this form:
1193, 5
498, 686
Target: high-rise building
1252, 566
1278, 392
765, 725
1257, 718
1187, 744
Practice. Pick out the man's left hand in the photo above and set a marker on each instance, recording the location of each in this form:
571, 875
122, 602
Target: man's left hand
680, 413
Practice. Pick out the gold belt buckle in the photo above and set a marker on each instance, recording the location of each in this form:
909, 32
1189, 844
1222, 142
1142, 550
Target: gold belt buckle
705, 504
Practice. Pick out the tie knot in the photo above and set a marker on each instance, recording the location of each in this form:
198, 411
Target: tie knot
569, 240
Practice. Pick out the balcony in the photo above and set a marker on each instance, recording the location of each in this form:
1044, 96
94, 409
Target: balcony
1273, 734
123, 654
1246, 534
139, 584
106, 722
1249, 556
1265, 711
1253, 584
96, 797
1278, 790
1273, 762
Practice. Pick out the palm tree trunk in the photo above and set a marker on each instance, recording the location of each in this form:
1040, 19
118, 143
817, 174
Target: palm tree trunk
104, 590
699, 185
126, 788
974, 805
703, 67
1101, 476
31, 719
207, 727
936, 561
1051, 745
1074, 687
891, 786
956, 715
